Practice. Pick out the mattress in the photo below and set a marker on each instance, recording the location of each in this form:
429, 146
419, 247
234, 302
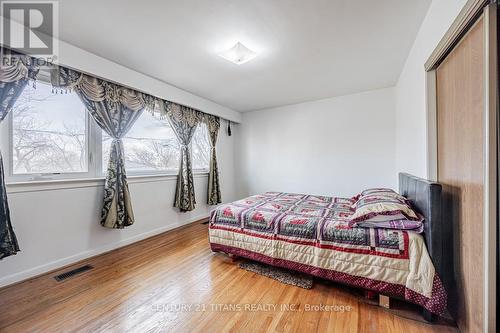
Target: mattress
311, 234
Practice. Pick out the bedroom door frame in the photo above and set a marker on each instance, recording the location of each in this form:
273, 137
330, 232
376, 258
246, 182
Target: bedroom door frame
473, 10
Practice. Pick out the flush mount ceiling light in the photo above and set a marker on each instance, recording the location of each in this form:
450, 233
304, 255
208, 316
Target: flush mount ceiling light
238, 54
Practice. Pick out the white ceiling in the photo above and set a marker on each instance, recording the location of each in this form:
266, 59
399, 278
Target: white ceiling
308, 49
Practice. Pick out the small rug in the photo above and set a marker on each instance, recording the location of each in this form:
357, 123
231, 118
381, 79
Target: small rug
279, 274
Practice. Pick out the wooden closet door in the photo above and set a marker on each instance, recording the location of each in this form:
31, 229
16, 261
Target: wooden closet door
460, 93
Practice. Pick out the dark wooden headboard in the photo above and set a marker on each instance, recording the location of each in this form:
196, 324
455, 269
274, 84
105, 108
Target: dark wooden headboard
425, 196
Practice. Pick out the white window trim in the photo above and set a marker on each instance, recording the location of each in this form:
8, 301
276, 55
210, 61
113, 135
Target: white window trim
62, 184
90, 135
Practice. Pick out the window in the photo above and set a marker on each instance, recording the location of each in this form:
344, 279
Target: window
200, 148
49, 133
150, 147
52, 136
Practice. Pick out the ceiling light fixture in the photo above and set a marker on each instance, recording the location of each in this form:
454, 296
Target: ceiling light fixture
238, 54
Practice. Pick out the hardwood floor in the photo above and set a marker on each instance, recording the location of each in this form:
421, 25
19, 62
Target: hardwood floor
174, 283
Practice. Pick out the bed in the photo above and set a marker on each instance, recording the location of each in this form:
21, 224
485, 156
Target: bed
311, 234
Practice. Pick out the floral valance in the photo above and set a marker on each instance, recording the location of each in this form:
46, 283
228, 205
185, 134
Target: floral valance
180, 114
16, 66
99, 90
16, 70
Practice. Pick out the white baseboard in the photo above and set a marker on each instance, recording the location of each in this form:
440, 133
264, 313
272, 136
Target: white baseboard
32, 272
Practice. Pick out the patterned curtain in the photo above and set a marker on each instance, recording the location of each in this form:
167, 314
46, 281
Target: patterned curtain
184, 121
15, 72
214, 196
115, 109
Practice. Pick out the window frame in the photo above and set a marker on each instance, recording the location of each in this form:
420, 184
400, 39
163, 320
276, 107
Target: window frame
152, 173
201, 170
90, 131
155, 173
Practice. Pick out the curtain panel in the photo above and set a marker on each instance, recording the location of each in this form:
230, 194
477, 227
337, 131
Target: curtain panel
213, 189
15, 72
115, 109
184, 121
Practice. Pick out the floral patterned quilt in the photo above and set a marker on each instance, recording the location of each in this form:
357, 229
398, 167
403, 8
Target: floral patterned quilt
311, 234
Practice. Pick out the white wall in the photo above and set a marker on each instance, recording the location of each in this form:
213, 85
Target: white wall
59, 224
411, 137
335, 146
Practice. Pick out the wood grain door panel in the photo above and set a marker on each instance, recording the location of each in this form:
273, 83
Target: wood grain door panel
460, 149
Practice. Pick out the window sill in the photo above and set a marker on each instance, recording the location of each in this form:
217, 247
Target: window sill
61, 184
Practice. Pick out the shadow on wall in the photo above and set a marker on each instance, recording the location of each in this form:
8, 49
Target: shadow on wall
451, 199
